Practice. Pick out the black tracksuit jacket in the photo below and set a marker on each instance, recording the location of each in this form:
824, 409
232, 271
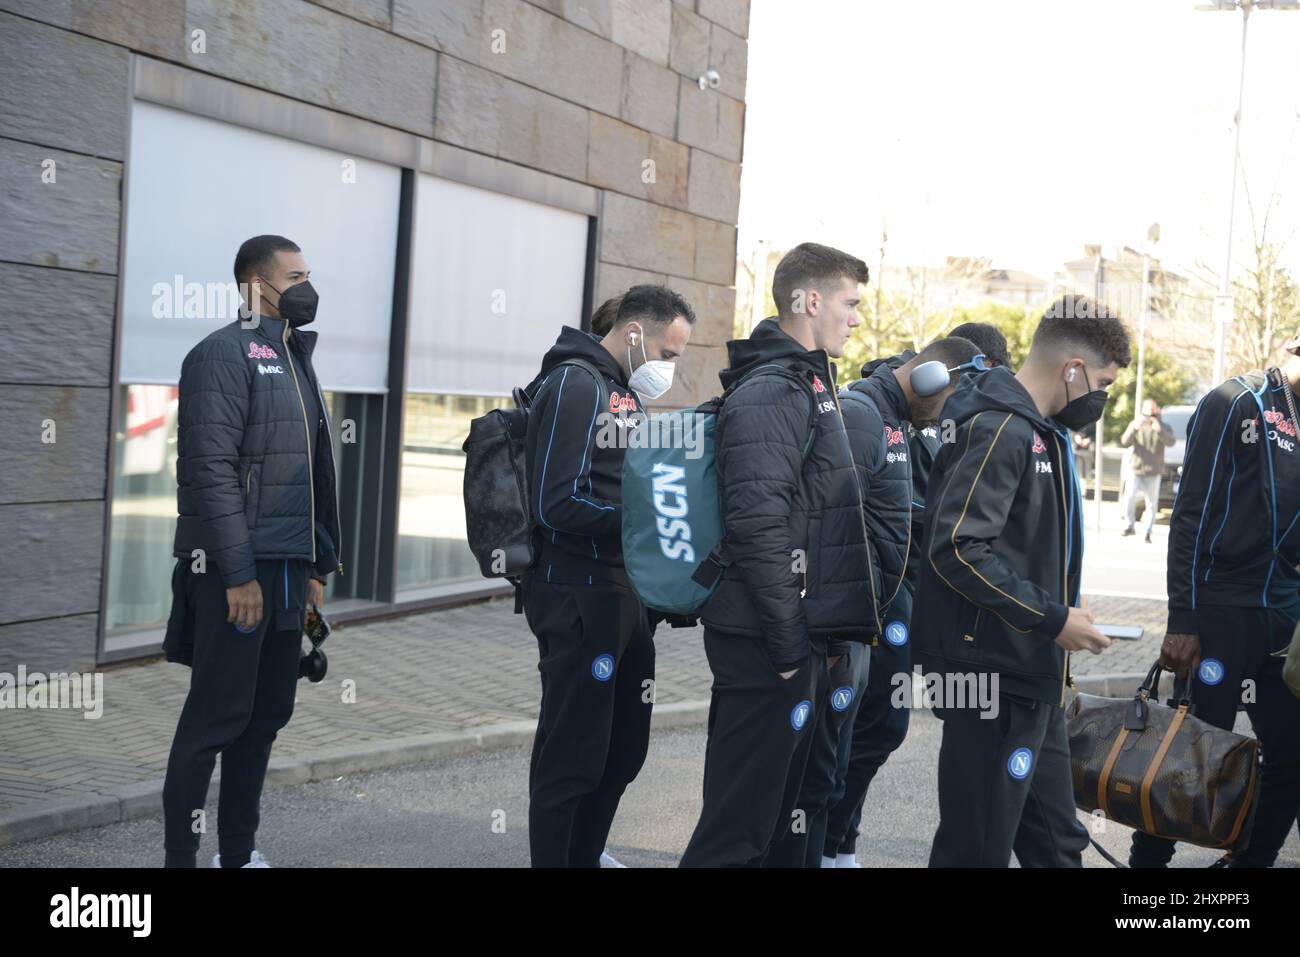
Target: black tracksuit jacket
875, 412
1233, 537
778, 502
575, 478
922, 447
1003, 543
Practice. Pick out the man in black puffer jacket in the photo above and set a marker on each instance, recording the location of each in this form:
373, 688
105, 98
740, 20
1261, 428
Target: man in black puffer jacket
798, 573
884, 416
257, 534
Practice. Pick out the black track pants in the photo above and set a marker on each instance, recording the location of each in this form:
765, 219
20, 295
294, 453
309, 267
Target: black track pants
757, 722
878, 730
1005, 785
597, 663
242, 689
800, 845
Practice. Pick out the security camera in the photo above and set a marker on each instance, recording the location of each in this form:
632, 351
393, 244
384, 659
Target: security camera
710, 80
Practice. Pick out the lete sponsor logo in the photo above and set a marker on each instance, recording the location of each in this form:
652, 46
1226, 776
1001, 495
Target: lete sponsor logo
261, 352
1039, 445
622, 403
894, 437
1280, 419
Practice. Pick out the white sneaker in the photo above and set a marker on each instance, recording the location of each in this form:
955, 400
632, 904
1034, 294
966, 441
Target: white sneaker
606, 860
254, 860
828, 861
847, 860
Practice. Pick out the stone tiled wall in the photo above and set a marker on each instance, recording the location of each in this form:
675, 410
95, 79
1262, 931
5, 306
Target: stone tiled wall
588, 90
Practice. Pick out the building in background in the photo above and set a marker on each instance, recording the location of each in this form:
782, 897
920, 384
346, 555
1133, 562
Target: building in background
464, 177
1180, 301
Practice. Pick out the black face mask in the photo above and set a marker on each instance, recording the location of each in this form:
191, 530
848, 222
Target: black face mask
1083, 412
298, 304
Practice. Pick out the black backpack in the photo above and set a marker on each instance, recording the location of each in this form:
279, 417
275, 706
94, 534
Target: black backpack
499, 524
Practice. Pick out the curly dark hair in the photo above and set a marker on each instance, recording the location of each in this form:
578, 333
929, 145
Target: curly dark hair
1082, 322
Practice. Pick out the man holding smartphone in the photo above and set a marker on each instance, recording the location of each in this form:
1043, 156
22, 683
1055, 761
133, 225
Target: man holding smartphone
998, 604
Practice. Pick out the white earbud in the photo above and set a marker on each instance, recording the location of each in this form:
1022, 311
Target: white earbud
634, 338
1070, 377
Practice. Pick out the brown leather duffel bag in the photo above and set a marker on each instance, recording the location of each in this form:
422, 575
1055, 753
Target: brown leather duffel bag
1162, 770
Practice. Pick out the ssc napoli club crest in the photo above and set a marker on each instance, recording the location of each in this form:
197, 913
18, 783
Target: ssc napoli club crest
602, 668
896, 633
246, 631
1211, 671
841, 698
1020, 763
799, 716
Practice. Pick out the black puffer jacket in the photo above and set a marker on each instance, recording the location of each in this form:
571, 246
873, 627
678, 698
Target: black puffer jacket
779, 504
255, 463
875, 412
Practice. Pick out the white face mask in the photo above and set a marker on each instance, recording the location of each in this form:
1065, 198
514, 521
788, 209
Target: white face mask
653, 377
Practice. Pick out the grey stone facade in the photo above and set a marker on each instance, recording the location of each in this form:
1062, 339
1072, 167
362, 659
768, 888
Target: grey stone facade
586, 90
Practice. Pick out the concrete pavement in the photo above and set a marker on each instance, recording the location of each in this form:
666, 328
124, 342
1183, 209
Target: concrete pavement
471, 810
401, 691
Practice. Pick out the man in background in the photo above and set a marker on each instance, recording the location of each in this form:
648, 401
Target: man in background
1148, 437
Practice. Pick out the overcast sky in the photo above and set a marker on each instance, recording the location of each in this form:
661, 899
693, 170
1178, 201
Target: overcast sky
1016, 129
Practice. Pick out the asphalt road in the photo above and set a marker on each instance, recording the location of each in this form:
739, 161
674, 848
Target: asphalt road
471, 811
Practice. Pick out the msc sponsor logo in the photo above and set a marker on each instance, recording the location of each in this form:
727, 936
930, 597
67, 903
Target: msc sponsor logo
263, 370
